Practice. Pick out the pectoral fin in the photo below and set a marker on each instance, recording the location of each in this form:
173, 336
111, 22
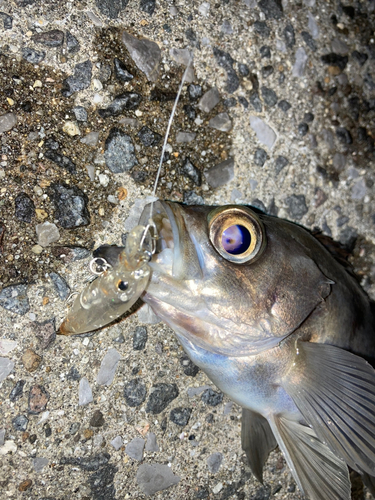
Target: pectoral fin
257, 441
319, 473
335, 392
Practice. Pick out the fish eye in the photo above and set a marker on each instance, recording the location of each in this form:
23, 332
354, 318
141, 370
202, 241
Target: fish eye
236, 233
122, 285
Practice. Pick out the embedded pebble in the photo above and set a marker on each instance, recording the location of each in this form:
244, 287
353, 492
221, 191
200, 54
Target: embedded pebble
180, 416
91, 139
6, 367
2, 437
7, 122
70, 205
61, 286
272, 9
209, 100
260, 157
190, 171
74, 428
151, 444
211, 397
140, 338
343, 135
265, 52
31, 360
145, 54
225, 60
152, 478
8, 447
39, 463
53, 38
300, 62
214, 462
256, 102
6, 346
284, 105
148, 137
192, 198
289, 36
309, 41
45, 331
195, 92
121, 72
71, 129
296, 206
195, 391
337, 60
61, 160
265, 134
38, 399
303, 128
160, 397
24, 208
182, 137
17, 391
269, 96
33, 56
81, 79
221, 122
84, 392
135, 392
123, 102
261, 28
72, 44
7, 20
108, 367
97, 419
220, 174
135, 448
312, 25
119, 151
117, 442
80, 113
188, 367
20, 423
147, 6
359, 190
47, 233
14, 298
280, 163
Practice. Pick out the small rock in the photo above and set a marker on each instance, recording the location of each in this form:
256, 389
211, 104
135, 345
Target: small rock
71, 129
74, 428
265, 52
256, 102
160, 397
39, 463
272, 9
220, 174
97, 419
72, 44
70, 205
84, 392
61, 286
91, 139
221, 122
211, 397
117, 442
81, 79
80, 113
148, 137
88, 434
265, 134
191, 198
297, 207
280, 163
121, 73
340, 47
31, 360
225, 60
14, 298
145, 54
195, 92
343, 135
243, 69
2, 437
147, 6
348, 237
303, 128
47, 430
308, 117
123, 102
214, 462
190, 171
180, 416
188, 367
61, 160
7, 20
24, 208
53, 38
6, 346
47, 233
108, 367
25, 485
309, 41
7, 122
260, 157
359, 190
135, 392
269, 96
284, 105
242, 100
20, 423
261, 28
33, 56
360, 57
135, 448
38, 399
267, 71
140, 338
337, 60
119, 151
151, 444
209, 100
184, 137
190, 111
155, 477
17, 391
312, 25
45, 332
289, 36
300, 63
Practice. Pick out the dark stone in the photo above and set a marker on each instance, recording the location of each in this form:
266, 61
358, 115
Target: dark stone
308, 117
73, 374
140, 338
309, 41
45, 331
111, 8
281, 77
70, 205
180, 416
343, 135
51, 143
297, 207
201, 494
148, 137
26, 106
119, 151
332, 91
211, 397
263, 493
242, 100
192, 37
348, 237
190, 171
348, 10
24, 208
135, 392
272, 9
289, 35
80, 113
80, 79
188, 367
61, 160
265, 51
72, 44
97, 419
38, 399
32, 56
230, 102
33, 438
7, 20
160, 397
369, 82
47, 430
243, 69
333, 59
261, 28
260, 157
20, 423
14, 298
194, 91
17, 391
284, 105
303, 128
280, 163
138, 176
225, 60
162, 96
256, 102
122, 102
192, 198
91, 463
267, 71
269, 96
147, 6
53, 38
360, 57
61, 286
121, 73
102, 483
190, 111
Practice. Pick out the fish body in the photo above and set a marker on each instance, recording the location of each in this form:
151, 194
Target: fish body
280, 327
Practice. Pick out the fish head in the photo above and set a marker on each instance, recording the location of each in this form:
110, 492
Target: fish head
228, 279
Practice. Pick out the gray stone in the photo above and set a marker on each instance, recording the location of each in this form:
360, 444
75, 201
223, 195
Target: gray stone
17, 391
280, 163
188, 367
147, 6
140, 338
220, 174
117, 442
47, 233
148, 137
145, 53
359, 190
135, 448
80, 113
108, 367
225, 60
339, 161
7, 122
272, 9
52, 38
289, 35
7, 20
61, 286
80, 79
300, 62
265, 134
24, 207
14, 299
91, 139
84, 392
221, 122
72, 43
126, 101
20, 423
226, 27
195, 391
151, 444
119, 151
61, 160
192, 198
183, 57
297, 207
74, 428
180, 416
160, 397
260, 157
182, 137
155, 477
39, 463
312, 25
33, 56
269, 96
209, 100
214, 462
111, 8
121, 73
135, 392
191, 172
2, 436
211, 397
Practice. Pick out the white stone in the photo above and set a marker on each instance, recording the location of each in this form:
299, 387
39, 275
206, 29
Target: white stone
71, 128
217, 488
300, 62
117, 442
312, 25
6, 367
47, 233
84, 392
104, 180
8, 447
265, 134
204, 9
108, 367
6, 346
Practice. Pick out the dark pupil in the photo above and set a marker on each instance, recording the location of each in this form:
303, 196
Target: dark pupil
236, 239
123, 285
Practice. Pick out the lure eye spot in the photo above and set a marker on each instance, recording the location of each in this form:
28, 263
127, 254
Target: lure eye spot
123, 285
236, 233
